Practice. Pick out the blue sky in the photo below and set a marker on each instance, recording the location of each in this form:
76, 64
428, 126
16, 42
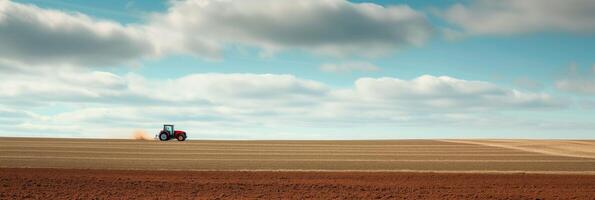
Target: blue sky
298, 70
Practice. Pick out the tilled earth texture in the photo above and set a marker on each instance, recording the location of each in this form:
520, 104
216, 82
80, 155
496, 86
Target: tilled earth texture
38, 168
383, 155
122, 184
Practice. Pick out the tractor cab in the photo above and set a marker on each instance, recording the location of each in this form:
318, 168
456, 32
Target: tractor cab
169, 132
169, 129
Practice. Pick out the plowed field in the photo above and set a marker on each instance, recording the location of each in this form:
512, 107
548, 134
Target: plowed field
391, 169
389, 155
115, 184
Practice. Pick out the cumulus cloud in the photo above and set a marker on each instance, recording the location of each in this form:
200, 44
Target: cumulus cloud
261, 87
228, 103
242, 90
32, 35
334, 27
347, 67
448, 93
505, 17
43, 86
37, 36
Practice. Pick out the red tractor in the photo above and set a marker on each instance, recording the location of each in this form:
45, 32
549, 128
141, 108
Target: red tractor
169, 133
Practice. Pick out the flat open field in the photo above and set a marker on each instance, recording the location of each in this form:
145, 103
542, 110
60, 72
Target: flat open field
390, 155
85, 168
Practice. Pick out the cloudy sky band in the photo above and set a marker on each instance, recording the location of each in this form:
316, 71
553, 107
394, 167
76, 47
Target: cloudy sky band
65, 68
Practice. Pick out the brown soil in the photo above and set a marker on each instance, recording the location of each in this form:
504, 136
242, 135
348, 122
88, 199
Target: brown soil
379, 155
122, 184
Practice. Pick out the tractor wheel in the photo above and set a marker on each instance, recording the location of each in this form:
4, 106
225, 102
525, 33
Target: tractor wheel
163, 136
181, 137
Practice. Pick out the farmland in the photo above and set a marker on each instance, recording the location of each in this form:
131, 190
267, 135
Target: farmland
395, 155
31, 167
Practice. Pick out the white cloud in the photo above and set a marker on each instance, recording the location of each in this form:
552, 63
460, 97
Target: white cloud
35, 36
248, 90
58, 85
335, 27
505, 17
347, 67
430, 92
223, 87
244, 104
43, 88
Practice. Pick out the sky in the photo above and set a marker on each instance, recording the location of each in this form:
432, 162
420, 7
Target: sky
308, 69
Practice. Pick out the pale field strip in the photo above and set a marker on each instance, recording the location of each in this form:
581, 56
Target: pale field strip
264, 145
185, 146
278, 150
177, 146
262, 149
379, 143
391, 155
571, 148
242, 142
254, 153
259, 150
157, 145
